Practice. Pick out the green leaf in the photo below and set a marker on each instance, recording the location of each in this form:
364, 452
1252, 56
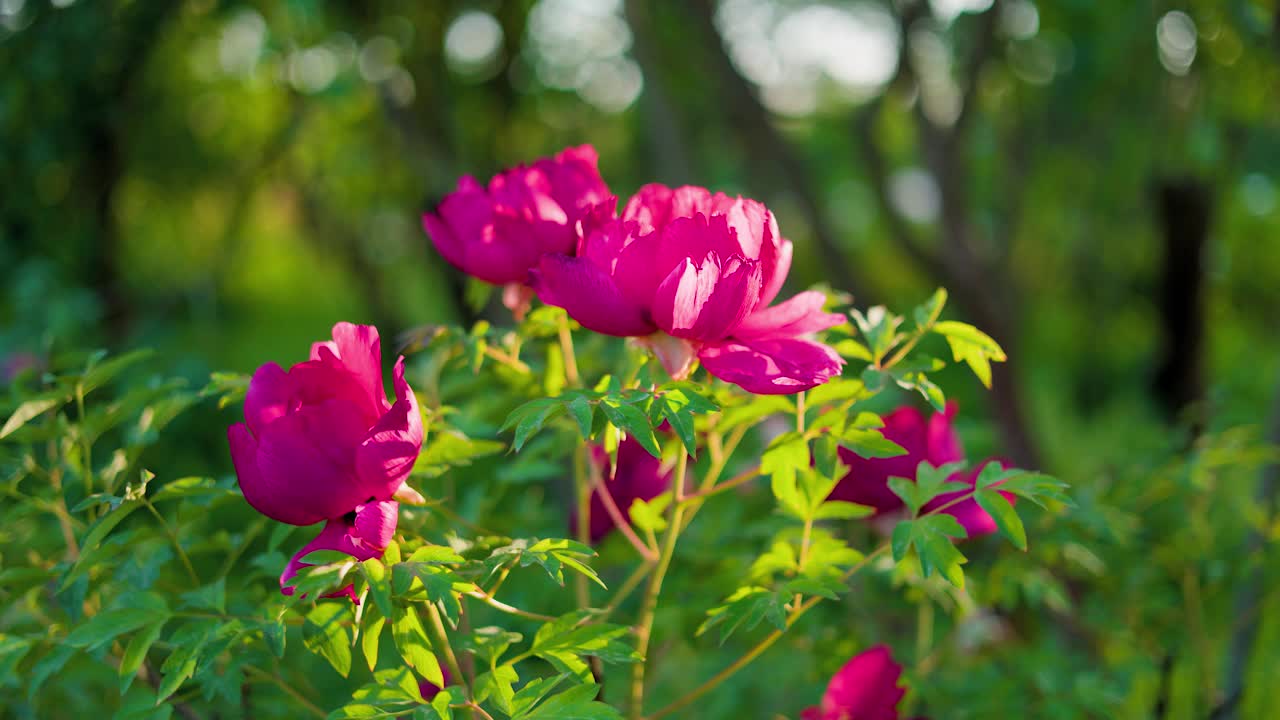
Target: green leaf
918, 381
756, 408
870, 443
208, 597
583, 413
1007, 520
181, 663
927, 313
853, 350
450, 448
631, 420
880, 329
650, 515
529, 418
534, 691
435, 554
325, 635
841, 510
745, 609
973, 346
97, 375
836, 390
273, 634
932, 537
497, 685
1036, 487
27, 411
411, 640
135, 653
571, 634
782, 460
190, 487
379, 580
108, 624
371, 636
930, 482
576, 703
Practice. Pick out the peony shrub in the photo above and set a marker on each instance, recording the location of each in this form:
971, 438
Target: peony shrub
514, 531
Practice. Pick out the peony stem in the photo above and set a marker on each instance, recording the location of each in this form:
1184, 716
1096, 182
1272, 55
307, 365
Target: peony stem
570, 358
650, 604
440, 639
509, 609
173, 539
615, 514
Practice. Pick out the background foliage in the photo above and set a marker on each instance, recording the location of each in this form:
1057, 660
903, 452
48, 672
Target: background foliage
1094, 182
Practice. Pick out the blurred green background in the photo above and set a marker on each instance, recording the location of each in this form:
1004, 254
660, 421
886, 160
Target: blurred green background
1094, 182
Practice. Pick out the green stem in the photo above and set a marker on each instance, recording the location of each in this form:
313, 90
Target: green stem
173, 539
650, 604
624, 590
85, 448
509, 609
800, 412
440, 639
570, 358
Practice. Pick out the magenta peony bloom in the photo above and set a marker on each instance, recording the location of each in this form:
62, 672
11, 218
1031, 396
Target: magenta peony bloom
931, 440
695, 273
640, 476
321, 443
498, 233
866, 688
429, 689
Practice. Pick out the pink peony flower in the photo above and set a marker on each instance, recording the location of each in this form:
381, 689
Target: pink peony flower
498, 233
931, 440
640, 476
866, 688
694, 273
321, 443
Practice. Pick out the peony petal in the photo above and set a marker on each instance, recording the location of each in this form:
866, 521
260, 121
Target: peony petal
775, 258
265, 497
772, 367
269, 396
360, 350
386, 456
362, 534
799, 315
865, 688
590, 297
575, 179
941, 439
693, 238
307, 462
682, 295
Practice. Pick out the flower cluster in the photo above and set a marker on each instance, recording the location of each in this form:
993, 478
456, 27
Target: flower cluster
320, 442
932, 440
692, 273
